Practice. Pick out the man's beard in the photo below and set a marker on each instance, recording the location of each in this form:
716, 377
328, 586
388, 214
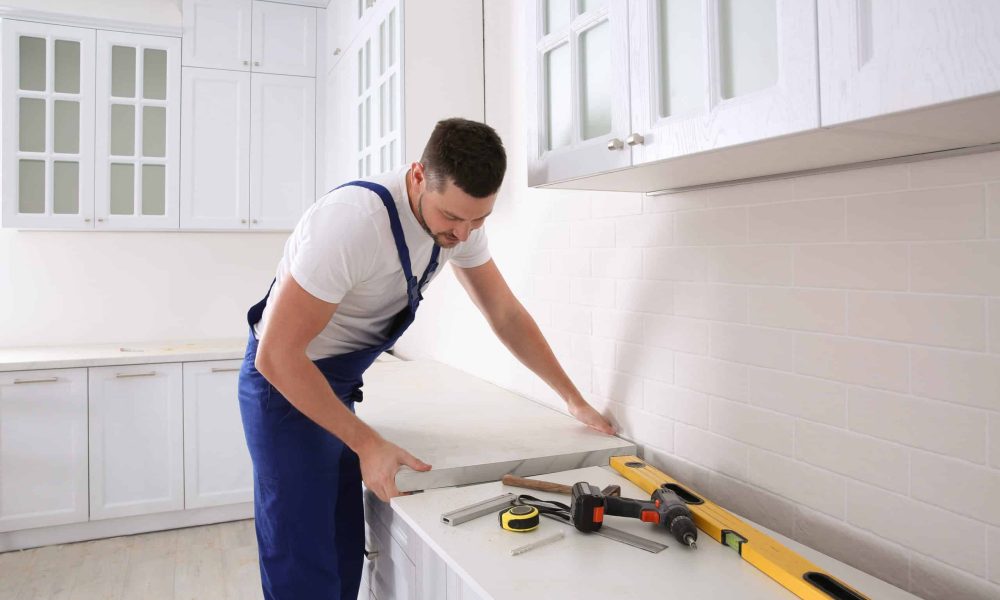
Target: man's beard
441, 239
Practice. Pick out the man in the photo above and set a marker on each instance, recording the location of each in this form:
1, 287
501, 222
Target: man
347, 286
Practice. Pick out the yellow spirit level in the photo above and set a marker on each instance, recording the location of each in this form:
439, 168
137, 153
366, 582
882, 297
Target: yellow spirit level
795, 573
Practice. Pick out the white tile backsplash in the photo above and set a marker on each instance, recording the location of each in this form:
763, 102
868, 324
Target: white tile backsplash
819, 353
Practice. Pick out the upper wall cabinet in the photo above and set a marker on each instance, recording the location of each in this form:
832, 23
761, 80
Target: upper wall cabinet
138, 131
708, 74
885, 56
246, 35
580, 86
610, 87
395, 82
48, 142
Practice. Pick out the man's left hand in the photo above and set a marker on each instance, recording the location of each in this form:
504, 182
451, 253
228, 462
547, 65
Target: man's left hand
586, 414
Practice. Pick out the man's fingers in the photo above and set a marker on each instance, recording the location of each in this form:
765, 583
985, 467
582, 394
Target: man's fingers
415, 463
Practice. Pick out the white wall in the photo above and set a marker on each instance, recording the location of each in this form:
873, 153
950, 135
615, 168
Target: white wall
819, 354
157, 12
63, 288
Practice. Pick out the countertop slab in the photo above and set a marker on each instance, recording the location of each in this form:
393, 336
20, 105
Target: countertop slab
583, 566
141, 353
470, 430
96, 355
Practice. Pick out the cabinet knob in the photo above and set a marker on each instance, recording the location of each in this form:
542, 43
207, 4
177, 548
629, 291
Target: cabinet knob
256, 63
634, 139
87, 220
100, 220
254, 221
336, 52
244, 221
615, 144
371, 554
246, 62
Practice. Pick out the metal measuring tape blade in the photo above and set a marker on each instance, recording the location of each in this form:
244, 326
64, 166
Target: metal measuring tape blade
474, 511
619, 536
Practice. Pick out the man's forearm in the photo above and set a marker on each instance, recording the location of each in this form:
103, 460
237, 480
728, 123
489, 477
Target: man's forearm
303, 385
525, 341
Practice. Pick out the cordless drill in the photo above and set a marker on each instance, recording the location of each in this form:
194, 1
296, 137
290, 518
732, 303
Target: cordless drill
589, 506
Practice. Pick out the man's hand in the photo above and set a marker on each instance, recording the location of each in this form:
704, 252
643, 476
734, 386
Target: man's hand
380, 460
586, 414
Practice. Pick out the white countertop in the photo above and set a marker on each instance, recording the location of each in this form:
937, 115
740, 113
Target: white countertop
584, 566
95, 355
470, 430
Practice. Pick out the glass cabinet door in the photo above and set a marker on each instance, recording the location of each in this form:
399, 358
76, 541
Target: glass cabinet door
138, 93
713, 73
48, 89
378, 99
579, 121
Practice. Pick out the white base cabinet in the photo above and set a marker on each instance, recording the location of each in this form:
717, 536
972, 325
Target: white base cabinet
136, 437
43, 448
217, 468
401, 566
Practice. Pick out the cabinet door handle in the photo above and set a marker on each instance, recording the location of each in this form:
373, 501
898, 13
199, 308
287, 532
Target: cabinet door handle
615, 144
336, 52
371, 554
224, 370
243, 221
45, 380
127, 375
634, 139
246, 62
256, 63
254, 221
87, 220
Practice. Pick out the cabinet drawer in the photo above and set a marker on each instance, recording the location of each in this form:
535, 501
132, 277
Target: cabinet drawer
43, 448
393, 574
381, 514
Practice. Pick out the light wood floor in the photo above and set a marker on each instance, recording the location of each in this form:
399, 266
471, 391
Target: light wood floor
210, 562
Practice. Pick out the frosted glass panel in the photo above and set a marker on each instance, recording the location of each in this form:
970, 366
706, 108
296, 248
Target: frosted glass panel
66, 188
595, 80
67, 127
392, 102
154, 181
154, 74
122, 130
368, 121
368, 64
682, 57
361, 70
748, 45
31, 128
361, 126
32, 72
589, 5
383, 47
154, 131
67, 67
383, 100
122, 189
31, 186
558, 116
557, 15
123, 71
392, 38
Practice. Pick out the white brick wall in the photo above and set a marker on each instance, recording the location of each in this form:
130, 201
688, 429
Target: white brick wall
820, 354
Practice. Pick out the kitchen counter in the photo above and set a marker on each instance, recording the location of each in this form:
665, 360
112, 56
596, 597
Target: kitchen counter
99, 355
583, 566
473, 431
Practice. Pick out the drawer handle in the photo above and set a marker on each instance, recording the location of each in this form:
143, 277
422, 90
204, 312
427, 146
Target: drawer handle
127, 375
224, 370
371, 554
46, 380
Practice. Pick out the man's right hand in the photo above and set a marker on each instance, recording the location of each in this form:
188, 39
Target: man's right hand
380, 460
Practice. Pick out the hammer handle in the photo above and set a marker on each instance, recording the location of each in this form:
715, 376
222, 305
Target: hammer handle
534, 484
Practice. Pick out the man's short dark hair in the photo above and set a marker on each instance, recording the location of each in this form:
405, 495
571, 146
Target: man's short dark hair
468, 153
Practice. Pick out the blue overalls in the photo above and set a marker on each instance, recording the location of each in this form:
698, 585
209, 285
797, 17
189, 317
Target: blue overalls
307, 483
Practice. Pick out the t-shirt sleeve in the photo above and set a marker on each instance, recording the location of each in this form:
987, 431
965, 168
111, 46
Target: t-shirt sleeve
337, 247
473, 252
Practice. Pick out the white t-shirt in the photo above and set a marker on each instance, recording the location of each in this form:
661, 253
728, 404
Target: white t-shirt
342, 251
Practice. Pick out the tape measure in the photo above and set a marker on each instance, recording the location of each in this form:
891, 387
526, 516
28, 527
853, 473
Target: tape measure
519, 518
